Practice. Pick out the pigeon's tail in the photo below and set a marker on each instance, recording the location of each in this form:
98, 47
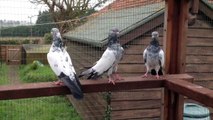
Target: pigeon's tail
160, 72
92, 74
87, 72
73, 84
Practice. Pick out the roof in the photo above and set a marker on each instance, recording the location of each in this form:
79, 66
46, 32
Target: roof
209, 3
95, 31
36, 48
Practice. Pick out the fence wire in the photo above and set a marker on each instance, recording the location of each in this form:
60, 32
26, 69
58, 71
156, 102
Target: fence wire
25, 44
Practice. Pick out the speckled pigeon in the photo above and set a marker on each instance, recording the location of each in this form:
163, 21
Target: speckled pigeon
108, 61
153, 57
60, 62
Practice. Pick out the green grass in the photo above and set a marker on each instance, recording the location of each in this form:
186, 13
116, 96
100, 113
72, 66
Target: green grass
42, 108
3, 74
35, 73
45, 108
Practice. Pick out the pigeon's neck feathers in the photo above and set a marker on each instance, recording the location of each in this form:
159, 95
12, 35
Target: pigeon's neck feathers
154, 46
112, 40
154, 42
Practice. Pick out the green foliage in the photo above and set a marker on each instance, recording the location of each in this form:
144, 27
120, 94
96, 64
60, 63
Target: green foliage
108, 110
44, 108
14, 42
48, 38
44, 22
36, 73
3, 74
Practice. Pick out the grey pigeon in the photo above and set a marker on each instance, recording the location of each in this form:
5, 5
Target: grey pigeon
108, 61
153, 57
61, 64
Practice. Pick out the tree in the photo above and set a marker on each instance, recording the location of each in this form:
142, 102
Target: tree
44, 23
62, 10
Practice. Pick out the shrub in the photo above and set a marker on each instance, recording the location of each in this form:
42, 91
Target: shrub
36, 73
47, 38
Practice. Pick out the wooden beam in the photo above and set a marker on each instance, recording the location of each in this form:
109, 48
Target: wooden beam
31, 90
88, 86
175, 29
192, 91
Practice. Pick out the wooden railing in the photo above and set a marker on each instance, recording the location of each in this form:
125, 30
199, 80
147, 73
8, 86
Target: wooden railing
175, 87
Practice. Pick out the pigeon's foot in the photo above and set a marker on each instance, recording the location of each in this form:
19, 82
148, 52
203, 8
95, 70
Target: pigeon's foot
59, 82
111, 80
145, 75
118, 77
157, 76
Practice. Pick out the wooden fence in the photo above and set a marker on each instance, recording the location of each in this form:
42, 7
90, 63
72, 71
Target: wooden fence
175, 87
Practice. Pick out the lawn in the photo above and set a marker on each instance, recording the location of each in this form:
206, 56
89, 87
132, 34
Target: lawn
42, 108
3, 74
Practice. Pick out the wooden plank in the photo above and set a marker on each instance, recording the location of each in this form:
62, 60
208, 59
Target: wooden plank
205, 32
202, 42
206, 84
202, 76
192, 91
199, 68
131, 68
136, 96
144, 113
199, 59
91, 107
173, 105
132, 105
146, 40
199, 51
136, 59
88, 86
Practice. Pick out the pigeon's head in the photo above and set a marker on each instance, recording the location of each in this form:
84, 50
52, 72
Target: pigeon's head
113, 36
155, 34
57, 40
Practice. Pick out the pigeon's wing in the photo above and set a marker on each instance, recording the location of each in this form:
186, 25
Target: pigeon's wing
145, 55
120, 53
161, 57
53, 59
67, 62
102, 65
105, 62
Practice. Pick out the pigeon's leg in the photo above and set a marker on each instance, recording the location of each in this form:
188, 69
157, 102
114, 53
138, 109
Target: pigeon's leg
157, 76
117, 76
146, 74
111, 79
59, 82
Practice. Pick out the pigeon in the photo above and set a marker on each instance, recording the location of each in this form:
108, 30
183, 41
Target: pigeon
108, 61
153, 57
61, 64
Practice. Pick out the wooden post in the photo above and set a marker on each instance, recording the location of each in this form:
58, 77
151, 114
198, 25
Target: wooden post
175, 34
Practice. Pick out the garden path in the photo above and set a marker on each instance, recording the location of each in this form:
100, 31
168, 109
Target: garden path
13, 74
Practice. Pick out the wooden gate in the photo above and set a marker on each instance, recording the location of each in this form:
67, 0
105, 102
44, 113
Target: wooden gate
13, 55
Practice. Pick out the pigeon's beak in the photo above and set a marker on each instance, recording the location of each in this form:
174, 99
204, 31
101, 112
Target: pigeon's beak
117, 33
58, 35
